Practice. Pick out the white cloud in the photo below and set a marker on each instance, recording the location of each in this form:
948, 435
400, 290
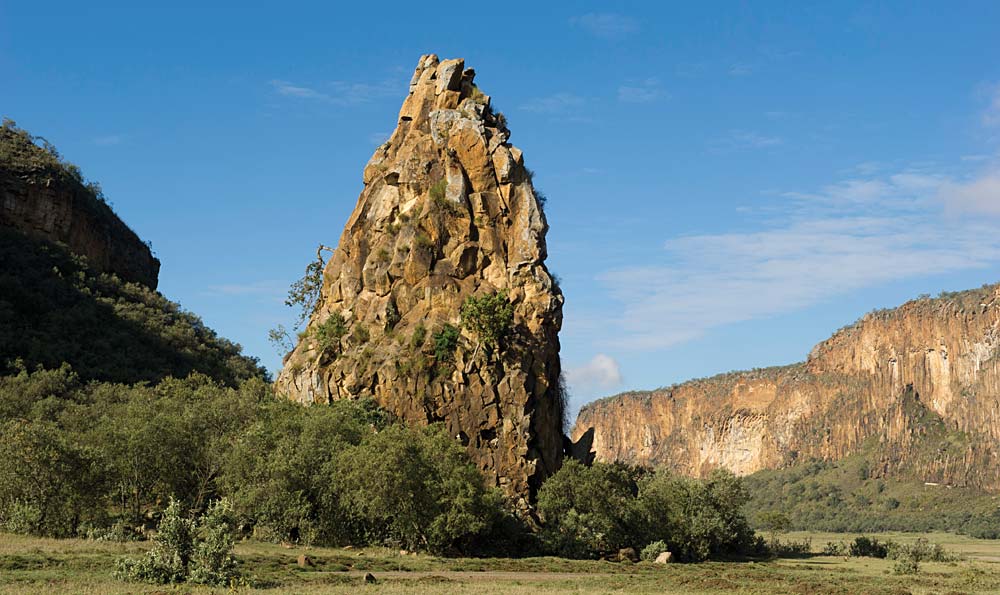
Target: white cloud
338, 92
601, 372
978, 195
554, 104
606, 25
850, 235
645, 91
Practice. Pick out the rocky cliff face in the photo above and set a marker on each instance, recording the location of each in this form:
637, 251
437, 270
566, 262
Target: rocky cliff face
43, 197
448, 211
916, 388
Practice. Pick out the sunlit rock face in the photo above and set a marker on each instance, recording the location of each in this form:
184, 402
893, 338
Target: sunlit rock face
917, 388
448, 211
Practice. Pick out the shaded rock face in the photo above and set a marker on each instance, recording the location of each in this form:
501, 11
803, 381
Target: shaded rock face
916, 388
448, 211
64, 211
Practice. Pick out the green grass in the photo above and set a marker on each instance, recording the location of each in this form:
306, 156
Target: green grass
46, 566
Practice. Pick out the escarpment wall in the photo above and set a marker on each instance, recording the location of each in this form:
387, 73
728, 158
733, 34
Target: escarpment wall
917, 389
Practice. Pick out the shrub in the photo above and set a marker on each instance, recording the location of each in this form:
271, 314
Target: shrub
445, 343
489, 317
186, 550
906, 565
437, 191
653, 550
47, 483
588, 511
866, 547
328, 334
168, 561
415, 488
920, 550
696, 519
419, 334
212, 561
360, 335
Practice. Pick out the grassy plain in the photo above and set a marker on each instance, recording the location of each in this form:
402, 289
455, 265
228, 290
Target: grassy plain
47, 566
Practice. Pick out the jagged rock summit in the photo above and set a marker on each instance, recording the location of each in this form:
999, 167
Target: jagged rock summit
448, 211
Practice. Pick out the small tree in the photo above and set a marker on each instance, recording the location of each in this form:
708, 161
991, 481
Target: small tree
168, 561
774, 523
489, 317
185, 550
212, 561
305, 293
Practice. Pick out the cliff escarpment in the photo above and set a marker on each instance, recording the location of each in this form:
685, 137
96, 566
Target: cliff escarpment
448, 213
44, 197
916, 388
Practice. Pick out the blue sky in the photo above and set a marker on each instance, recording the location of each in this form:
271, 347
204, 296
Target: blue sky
727, 185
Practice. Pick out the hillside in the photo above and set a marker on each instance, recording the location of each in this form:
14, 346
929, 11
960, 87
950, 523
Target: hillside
915, 388
77, 286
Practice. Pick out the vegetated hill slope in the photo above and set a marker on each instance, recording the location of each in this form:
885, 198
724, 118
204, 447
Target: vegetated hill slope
77, 286
917, 388
54, 308
448, 212
46, 197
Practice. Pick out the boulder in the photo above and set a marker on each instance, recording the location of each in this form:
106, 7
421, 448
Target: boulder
628, 554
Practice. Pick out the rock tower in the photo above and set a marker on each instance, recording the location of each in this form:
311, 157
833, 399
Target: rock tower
448, 211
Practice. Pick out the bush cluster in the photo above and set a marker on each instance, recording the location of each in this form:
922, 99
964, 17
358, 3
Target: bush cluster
594, 511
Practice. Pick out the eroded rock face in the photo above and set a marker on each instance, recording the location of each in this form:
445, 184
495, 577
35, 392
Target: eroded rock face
62, 210
448, 211
918, 387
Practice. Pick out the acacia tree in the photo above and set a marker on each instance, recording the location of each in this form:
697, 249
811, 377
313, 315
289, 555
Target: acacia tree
304, 294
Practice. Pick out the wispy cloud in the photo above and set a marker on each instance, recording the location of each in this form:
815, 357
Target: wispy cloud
740, 140
554, 104
601, 372
978, 195
606, 25
849, 235
377, 138
645, 91
290, 90
740, 69
338, 92
267, 288
109, 140
991, 116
